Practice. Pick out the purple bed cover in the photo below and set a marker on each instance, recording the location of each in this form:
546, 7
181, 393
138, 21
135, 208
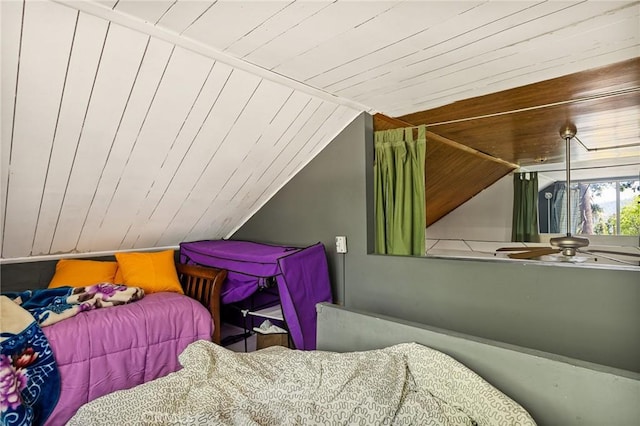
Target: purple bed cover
119, 347
302, 276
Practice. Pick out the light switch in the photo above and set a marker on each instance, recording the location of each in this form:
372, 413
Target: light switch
341, 244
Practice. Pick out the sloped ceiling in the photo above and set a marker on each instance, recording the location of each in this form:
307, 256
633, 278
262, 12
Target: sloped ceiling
137, 124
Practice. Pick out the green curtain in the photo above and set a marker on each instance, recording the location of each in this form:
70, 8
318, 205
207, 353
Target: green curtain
524, 226
399, 169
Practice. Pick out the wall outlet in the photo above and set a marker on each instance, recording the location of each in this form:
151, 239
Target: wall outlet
341, 244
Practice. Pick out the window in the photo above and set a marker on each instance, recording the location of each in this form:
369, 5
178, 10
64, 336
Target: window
602, 207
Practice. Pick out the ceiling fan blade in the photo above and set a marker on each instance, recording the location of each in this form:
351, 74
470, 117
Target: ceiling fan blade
613, 258
621, 253
520, 248
533, 253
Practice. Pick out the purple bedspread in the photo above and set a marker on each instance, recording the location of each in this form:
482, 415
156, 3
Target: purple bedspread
105, 350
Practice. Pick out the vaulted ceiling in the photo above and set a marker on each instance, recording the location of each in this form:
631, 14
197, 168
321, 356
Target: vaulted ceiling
136, 124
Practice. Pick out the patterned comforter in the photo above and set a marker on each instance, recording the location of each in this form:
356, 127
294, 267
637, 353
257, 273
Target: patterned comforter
400, 385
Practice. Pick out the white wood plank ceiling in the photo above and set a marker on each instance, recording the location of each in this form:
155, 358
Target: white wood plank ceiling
139, 124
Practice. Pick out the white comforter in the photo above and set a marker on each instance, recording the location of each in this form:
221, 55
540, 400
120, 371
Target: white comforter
400, 385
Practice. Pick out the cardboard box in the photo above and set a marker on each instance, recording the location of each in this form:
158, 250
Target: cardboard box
271, 339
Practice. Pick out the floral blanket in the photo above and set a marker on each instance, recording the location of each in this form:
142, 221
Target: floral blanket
29, 377
51, 305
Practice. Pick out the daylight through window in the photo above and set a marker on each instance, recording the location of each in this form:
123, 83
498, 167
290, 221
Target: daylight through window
602, 207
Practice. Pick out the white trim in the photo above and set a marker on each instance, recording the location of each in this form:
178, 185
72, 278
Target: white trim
136, 24
81, 255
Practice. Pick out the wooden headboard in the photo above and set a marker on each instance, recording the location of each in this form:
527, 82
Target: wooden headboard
204, 284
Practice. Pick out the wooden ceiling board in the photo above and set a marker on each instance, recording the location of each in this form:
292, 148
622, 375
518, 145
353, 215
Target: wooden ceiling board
116, 75
442, 94
144, 110
108, 3
294, 139
371, 60
206, 179
141, 97
406, 18
276, 134
265, 180
90, 35
494, 61
228, 21
473, 39
190, 150
191, 153
46, 40
432, 49
453, 176
217, 206
265, 37
313, 132
10, 31
267, 96
239, 206
182, 14
599, 81
231, 155
173, 102
201, 191
524, 137
603, 103
149, 11
340, 17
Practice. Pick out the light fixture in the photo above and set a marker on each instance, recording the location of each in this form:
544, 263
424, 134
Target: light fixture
568, 243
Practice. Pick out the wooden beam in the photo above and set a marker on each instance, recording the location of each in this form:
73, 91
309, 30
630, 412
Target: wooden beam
383, 122
442, 139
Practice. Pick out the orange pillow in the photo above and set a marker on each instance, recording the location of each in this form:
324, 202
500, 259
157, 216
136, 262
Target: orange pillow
153, 272
118, 279
79, 273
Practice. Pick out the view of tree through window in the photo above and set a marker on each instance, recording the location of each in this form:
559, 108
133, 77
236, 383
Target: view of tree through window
607, 207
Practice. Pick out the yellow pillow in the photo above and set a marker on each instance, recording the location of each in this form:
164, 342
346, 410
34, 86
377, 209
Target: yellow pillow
153, 272
79, 273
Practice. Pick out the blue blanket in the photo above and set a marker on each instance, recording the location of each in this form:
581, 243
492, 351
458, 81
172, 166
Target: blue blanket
29, 377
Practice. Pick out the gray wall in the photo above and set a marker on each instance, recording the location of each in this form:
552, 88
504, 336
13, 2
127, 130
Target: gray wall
585, 313
26, 276
551, 388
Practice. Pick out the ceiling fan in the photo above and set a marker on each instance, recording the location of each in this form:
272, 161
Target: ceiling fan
567, 247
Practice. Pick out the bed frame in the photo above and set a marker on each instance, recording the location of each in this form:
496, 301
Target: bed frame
204, 284
555, 390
